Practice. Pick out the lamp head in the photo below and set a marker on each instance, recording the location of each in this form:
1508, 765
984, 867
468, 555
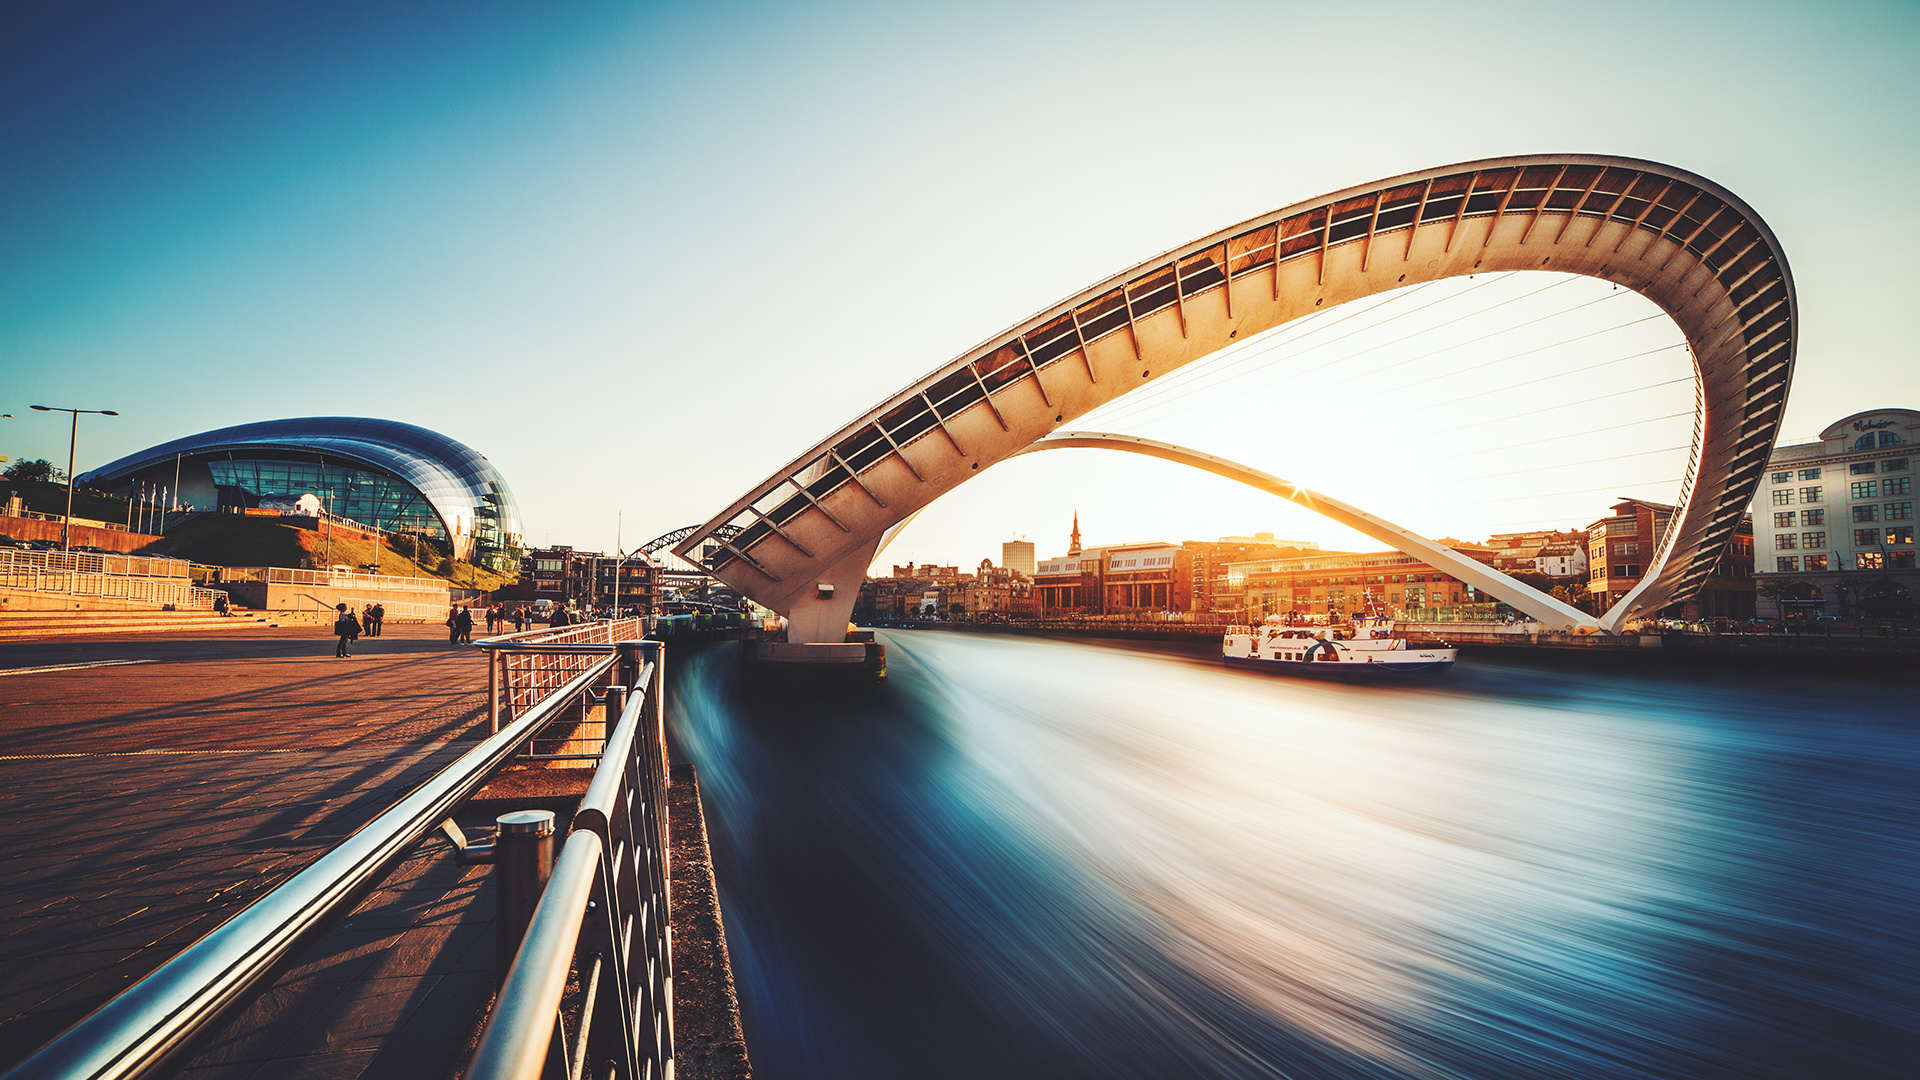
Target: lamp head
39, 408
108, 412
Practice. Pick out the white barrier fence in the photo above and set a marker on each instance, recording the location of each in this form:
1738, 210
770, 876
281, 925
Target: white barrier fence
180, 594
85, 562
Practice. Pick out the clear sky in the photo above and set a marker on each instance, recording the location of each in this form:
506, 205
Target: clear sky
642, 255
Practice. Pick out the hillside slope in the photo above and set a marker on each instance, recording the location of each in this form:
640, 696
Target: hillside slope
238, 540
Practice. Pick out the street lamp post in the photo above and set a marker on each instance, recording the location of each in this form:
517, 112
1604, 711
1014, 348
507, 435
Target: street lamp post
73, 437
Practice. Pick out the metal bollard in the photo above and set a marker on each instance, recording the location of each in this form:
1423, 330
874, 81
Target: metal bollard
522, 863
615, 704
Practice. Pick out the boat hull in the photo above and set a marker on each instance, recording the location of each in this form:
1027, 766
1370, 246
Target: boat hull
1316, 669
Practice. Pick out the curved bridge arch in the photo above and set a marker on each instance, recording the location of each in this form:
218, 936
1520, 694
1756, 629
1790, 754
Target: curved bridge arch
1546, 609
1693, 248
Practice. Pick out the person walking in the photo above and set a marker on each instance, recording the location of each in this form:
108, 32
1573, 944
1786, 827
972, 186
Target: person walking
463, 627
346, 628
379, 620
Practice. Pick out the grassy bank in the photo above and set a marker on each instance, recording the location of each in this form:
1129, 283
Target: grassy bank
237, 540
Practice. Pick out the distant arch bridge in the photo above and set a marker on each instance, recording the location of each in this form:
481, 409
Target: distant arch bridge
808, 532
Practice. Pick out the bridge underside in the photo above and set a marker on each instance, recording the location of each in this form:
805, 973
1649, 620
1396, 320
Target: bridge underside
807, 533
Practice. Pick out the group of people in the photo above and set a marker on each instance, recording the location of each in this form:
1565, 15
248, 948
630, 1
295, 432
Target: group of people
349, 628
499, 617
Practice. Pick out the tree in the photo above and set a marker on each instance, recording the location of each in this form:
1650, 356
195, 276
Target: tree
36, 471
1783, 591
1573, 596
1884, 598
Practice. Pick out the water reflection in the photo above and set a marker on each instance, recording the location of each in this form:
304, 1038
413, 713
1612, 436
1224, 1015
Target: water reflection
1048, 859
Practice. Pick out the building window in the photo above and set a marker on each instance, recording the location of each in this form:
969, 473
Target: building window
1785, 541
1786, 564
1816, 562
1783, 521
1888, 438
1900, 560
1866, 512
1866, 538
1866, 489
1899, 536
1628, 570
1897, 486
1900, 511
1809, 474
1810, 495
1861, 468
1626, 549
1813, 517
1783, 478
1813, 541
1783, 497
1894, 464
1867, 560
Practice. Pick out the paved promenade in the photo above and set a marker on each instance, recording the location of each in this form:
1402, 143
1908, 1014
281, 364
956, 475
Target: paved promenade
152, 796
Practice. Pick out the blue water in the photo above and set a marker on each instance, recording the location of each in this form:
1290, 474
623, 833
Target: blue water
1027, 858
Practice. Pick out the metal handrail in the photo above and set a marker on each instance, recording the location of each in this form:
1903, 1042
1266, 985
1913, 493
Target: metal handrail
151, 1022
519, 1039
602, 921
518, 671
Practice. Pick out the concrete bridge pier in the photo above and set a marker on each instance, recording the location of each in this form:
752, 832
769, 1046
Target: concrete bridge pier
819, 608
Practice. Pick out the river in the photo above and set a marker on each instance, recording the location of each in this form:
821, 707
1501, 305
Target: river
1026, 858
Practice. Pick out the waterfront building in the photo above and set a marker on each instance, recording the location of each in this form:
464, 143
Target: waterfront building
1621, 545
1212, 591
1002, 590
585, 579
1340, 584
1116, 579
1017, 555
911, 591
1838, 522
939, 575
1550, 552
391, 476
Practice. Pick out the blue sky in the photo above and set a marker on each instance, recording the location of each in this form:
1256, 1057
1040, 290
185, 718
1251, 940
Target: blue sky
641, 255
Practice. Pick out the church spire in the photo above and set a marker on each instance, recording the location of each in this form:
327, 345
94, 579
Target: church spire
1073, 548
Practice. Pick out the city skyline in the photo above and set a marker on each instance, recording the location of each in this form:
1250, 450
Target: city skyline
524, 230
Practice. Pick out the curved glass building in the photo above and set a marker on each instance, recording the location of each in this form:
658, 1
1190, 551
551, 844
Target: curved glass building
383, 473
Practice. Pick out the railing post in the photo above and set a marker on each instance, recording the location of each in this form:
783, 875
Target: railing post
522, 863
611, 708
493, 691
628, 670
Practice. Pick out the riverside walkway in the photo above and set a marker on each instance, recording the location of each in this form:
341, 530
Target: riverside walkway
156, 786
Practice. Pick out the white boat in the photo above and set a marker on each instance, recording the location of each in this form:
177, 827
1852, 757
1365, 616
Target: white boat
1366, 648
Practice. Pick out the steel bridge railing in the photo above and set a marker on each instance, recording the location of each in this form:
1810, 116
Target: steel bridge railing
590, 993
524, 669
152, 1023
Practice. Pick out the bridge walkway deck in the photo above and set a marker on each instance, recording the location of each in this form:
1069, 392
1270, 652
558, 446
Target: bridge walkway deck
151, 799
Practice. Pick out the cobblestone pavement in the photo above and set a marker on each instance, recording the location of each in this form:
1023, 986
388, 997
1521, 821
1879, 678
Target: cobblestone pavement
151, 800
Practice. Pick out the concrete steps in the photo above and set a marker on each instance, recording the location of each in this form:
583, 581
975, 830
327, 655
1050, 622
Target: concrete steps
25, 625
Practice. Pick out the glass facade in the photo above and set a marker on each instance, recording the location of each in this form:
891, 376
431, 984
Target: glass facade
383, 473
367, 497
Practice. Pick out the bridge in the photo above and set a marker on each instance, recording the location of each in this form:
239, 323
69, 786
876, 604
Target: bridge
806, 535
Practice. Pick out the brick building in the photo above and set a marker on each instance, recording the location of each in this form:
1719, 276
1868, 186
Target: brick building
1620, 546
1340, 584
